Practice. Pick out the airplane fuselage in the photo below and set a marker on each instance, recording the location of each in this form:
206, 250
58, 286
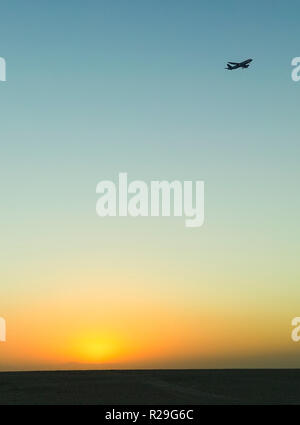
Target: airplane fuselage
235, 65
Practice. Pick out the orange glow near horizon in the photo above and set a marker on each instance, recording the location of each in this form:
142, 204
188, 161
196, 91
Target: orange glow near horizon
123, 324
167, 337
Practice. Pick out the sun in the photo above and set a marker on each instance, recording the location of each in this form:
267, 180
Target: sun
97, 351
99, 348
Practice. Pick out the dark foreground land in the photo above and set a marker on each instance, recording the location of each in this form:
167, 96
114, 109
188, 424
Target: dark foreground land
152, 387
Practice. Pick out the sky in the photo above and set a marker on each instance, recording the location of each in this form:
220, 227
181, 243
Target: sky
100, 87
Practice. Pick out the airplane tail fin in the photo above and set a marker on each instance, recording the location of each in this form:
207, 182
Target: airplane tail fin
229, 67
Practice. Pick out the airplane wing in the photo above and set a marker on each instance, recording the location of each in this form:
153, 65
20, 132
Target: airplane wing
233, 63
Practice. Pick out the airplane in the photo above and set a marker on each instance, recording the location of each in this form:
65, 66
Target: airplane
236, 65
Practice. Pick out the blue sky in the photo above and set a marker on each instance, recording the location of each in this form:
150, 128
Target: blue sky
139, 86
144, 74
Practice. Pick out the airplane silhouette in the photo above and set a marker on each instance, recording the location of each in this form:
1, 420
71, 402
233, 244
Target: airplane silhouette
236, 65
